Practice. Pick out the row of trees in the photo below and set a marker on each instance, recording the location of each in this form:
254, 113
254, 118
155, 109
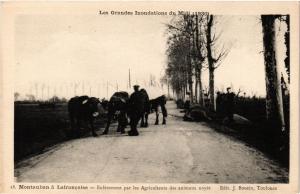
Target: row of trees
30, 98
193, 46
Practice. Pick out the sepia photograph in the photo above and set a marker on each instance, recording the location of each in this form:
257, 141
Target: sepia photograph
153, 95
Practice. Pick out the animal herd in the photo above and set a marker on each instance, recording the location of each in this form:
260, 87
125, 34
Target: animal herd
126, 109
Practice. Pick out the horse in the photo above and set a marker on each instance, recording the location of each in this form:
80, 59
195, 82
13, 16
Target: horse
146, 112
155, 104
84, 108
118, 103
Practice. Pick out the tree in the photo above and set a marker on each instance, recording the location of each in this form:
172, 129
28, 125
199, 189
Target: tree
287, 44
16, 95
164, 80
199, 54
185, 36
30, 97
177, 52
213, 62
54, 99
274, 106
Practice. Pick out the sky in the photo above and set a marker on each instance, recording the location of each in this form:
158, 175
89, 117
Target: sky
96, 52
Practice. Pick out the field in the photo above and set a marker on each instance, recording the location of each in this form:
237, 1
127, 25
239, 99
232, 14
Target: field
36, 128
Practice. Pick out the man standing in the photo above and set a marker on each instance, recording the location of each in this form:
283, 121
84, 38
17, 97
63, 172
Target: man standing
229, 104
136, 109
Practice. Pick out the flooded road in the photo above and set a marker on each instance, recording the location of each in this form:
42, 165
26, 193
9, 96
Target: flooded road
179, 152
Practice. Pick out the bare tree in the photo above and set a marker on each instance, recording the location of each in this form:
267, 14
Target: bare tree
16, 95
187, 33
199, 46
213, 61
177, 52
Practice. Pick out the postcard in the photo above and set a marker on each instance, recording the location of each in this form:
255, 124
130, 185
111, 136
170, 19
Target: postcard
149, 97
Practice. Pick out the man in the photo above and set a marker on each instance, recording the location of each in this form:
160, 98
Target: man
136, 110
187, 102
218, 104
229, 104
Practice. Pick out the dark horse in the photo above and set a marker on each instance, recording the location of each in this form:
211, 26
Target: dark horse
154, 105
83, 109
117, 104
144, 120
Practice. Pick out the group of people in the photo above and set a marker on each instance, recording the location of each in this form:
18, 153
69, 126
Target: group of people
225, 104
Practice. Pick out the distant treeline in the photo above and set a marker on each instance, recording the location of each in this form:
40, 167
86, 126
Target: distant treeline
32, 100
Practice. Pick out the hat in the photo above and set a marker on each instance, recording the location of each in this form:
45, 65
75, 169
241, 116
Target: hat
228, 88
136, 86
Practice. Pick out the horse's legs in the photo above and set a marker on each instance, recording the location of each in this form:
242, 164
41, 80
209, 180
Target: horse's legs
78, 125
119, 123
74, 126
164, 120
142, 121
146, 120
92, 127
109, 117
72, 121
157, 114
164, 113
122, 122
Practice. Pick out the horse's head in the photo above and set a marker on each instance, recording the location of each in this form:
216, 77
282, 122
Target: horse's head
104, 103
94, 106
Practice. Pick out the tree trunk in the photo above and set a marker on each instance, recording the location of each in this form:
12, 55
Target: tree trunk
201, 98
196, 87
287, 44
200, 61
274, 106
210, 64
190, 78
212, 89
168, 89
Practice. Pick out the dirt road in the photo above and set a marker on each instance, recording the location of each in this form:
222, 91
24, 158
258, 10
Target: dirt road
179, 152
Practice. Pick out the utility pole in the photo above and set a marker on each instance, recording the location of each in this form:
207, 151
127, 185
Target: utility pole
107, 90
98, 93
67, 91
36, 90
43, 87
129, 79
168, 89
48, 92
82, 87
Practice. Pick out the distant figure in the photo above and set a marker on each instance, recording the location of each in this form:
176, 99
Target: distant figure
83, 109
218, 104
221, 105
136, 108
187, 105
229, 108
187, 102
